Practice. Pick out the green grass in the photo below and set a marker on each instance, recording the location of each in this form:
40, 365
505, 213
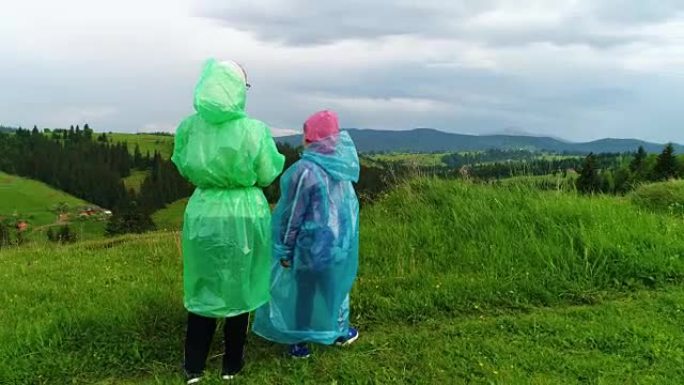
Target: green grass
458, 284
135, 180
540, 182
34, 201
417, 160
170, 217
147, 142
665, 197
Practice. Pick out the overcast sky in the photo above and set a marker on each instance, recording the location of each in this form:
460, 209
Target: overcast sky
575, 69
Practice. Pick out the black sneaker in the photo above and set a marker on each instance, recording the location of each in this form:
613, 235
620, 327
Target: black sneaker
192, 378
230, 374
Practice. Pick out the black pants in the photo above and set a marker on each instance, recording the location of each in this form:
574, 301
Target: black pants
308, 283
200, 334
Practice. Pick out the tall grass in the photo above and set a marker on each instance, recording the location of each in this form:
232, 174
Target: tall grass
434, 247
449, 272
667, 197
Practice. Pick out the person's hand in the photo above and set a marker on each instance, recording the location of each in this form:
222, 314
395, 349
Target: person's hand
286, 263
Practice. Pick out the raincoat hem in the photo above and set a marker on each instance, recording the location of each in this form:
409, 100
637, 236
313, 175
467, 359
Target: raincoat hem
229, 314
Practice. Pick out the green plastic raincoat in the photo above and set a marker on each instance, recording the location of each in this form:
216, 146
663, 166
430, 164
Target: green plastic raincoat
227, 224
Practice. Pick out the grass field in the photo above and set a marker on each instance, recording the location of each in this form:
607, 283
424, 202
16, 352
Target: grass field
665, 197
170, 217
147, 142
417, 160
135, 180
31, 199
34, 201
458, 284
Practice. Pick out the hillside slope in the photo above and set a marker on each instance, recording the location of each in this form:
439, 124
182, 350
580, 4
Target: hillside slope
34, 202
458, 284
170, 217
32, 199
147, 142
430, 140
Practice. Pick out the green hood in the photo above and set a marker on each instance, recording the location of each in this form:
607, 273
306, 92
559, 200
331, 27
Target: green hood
220, 93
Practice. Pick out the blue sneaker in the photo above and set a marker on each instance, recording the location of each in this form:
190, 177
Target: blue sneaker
350, 338
299, 351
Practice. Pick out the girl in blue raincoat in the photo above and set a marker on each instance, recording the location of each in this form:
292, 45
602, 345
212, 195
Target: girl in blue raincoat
316, 243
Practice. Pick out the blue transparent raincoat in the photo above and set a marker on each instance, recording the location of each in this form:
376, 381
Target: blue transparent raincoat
316, 227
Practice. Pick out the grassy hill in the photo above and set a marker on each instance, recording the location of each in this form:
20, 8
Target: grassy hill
34, 202
135, 180
419, 160
426, 140
170, 217
147, 142
458, 284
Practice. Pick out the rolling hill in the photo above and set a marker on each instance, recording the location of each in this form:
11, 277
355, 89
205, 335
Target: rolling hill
33, 201
430, 140
147, 142
171, 217
427, 140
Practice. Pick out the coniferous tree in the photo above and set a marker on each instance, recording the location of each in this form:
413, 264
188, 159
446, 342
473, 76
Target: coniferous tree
138, 162
65, 235
87, 132
589, 181
666, 166
638, 164
129, 220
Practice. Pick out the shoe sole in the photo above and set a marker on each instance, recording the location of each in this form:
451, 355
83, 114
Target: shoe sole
300, 357
349, 341
194, 381
227, 377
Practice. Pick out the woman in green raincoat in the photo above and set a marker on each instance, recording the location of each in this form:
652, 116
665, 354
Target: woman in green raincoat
227, 223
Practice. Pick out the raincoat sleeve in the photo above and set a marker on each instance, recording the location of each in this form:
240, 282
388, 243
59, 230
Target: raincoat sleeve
179, 145
269, 162
293, 207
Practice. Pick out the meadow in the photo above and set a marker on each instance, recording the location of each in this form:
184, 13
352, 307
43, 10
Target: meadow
135, 180
35, 203
147, 143
459, 283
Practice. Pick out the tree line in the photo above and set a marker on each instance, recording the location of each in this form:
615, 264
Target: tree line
642, 168
93, 167
74, 161
77, 165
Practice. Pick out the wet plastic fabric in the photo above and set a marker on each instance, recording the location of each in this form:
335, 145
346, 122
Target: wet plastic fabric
321, 125
227, 225
316, 226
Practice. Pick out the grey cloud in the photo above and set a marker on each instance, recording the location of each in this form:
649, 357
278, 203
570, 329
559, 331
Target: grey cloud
587, 106
468, 66
312, 22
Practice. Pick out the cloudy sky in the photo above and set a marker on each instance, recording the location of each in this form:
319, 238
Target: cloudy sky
575, 69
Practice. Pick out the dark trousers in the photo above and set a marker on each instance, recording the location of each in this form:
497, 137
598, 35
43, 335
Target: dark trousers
198, 339
308, 283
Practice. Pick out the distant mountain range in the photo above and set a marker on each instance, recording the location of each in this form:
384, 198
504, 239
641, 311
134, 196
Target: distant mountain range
430, 140
7, 129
